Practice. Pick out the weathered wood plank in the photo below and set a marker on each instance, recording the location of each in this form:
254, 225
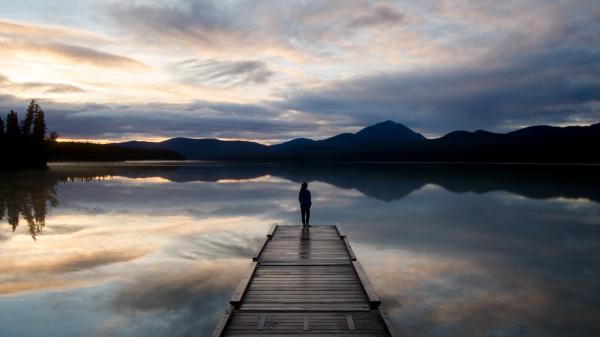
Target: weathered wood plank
388, 324
272, 230
374, 300
305, 325
261, 321
340, 231
350, 322
222, 323
236, 298
260, 249
305, 283
350, 251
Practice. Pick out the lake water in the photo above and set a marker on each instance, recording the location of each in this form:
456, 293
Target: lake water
155, 249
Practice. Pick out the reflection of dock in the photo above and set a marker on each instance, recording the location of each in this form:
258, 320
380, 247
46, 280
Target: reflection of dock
304, 283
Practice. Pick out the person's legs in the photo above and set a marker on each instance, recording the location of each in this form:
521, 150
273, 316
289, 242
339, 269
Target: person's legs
308, 216
303, 215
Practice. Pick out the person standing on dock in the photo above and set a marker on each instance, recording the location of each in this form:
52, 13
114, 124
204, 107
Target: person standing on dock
305, 203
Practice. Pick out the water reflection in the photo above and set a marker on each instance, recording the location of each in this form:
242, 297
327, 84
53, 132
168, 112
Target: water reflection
27, 196
157, 248
385, 182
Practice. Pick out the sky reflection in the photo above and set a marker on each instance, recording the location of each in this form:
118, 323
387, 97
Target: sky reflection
133, 250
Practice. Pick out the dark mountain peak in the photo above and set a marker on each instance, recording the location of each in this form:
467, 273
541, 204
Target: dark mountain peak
483, 133
300, 141
384, 132
456, 134
389, 131
388, 123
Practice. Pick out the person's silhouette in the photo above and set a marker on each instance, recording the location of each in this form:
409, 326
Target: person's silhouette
305, 203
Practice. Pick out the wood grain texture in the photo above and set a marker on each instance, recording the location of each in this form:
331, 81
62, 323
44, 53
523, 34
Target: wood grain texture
222, 323
305, 282
260, 249
272, 230
374, 300
350, 251
236, 298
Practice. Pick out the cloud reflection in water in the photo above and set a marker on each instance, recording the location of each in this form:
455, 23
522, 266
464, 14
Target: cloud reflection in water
158, 248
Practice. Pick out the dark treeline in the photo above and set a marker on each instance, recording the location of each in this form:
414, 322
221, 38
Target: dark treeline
87, 152
24, 142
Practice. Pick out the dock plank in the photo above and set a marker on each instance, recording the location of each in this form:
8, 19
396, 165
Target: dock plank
305, 282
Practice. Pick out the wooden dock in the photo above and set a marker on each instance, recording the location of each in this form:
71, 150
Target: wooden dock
304, 283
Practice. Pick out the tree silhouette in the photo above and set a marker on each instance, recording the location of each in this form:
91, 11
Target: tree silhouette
25, 144
52, 137
39, 125
27, 122
12, 125
26, 196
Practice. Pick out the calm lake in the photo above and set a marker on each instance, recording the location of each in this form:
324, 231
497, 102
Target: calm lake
156, 249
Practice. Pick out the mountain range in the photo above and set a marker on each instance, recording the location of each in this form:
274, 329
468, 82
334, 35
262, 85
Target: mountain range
390, 141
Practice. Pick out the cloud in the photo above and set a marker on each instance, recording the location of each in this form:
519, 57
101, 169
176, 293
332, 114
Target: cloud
164, 291
314, 69
35, 87
295, 31
25, 42
184, 302
381, 15
546, 87
28, 31
198, 119
72, 262
21, 275
222, 74
71, 53
89, 55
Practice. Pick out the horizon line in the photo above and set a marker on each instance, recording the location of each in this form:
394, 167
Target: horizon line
428, 136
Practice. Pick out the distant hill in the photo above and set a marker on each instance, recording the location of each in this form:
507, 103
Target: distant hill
390, 141
200, 149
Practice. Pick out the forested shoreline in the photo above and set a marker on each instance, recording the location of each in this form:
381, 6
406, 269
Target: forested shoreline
25, 144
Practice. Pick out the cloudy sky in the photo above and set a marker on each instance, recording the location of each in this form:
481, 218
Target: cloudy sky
274, 70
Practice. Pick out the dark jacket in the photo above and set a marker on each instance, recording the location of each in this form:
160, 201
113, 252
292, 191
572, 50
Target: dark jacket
304, 198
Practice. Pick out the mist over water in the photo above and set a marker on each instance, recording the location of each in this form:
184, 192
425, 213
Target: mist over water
156, 248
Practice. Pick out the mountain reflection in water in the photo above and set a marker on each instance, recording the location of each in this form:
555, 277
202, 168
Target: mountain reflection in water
156, 248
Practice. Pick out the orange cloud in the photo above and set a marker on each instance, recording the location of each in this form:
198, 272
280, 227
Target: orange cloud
21, 30
70, 53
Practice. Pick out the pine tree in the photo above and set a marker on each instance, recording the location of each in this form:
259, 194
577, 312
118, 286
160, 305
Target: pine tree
39, 125
52, 137
27, 122
12, 125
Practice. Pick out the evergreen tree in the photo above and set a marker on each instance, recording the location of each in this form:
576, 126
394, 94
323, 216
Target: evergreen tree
27, 122
12, 125
52, 137
39, 125
1, 128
